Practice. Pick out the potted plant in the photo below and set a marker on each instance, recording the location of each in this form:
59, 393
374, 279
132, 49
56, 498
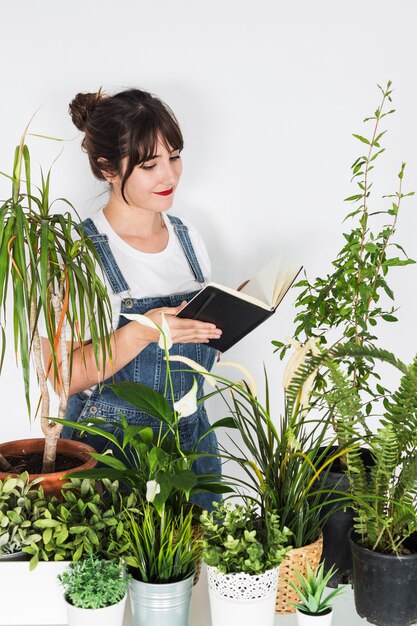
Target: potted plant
85, 520
50, 272
21, 502
162, 555
95, 592
243, 548
313, 608
147, 459
282, 460
347, 304
384, 535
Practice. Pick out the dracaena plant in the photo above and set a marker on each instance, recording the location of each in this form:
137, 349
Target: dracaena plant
50, 271
283, 457
347, 304
153, 463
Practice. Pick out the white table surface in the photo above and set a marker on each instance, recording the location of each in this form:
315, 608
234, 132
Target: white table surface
344, 609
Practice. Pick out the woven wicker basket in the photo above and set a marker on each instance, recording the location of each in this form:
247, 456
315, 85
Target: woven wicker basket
296, 558
197, 534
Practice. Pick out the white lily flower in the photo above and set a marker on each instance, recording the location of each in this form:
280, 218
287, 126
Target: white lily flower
249, 379
187, 405
195, 366
152, 489
146, 321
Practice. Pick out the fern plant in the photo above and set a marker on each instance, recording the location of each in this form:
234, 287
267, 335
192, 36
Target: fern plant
384, 496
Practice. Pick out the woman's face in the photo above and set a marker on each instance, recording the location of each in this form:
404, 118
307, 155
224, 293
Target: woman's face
152, 185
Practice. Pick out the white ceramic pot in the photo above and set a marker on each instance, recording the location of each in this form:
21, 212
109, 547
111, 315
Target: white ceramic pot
314, 619
242, 598
107, 616
43, 601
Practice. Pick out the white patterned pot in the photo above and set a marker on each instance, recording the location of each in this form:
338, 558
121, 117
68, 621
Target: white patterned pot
314, 619
107, 616
242, 598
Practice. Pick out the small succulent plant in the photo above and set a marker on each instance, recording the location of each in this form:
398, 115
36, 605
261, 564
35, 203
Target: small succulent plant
311, 590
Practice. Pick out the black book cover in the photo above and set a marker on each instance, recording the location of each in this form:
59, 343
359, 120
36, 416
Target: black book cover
233, 315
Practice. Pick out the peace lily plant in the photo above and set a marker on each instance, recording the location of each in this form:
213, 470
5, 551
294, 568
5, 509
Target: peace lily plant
49, 273
153, 463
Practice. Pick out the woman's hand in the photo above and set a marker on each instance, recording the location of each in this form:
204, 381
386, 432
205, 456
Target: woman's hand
182, 329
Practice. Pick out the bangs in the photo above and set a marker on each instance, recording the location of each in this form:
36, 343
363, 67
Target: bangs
139, 144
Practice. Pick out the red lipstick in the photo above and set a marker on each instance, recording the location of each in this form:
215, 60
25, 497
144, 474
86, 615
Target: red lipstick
167, 192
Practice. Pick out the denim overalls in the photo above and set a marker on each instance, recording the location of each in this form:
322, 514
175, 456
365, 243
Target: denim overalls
149, 367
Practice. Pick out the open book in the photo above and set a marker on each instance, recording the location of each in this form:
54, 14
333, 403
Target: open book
237, 313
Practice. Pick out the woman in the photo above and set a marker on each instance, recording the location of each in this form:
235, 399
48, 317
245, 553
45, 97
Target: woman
152, 263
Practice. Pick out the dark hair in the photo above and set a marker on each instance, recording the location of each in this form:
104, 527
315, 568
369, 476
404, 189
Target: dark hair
127, 124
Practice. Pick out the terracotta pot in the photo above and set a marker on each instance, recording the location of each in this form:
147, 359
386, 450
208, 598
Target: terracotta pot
53, 482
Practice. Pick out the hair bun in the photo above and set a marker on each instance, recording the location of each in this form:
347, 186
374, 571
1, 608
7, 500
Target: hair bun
82, 106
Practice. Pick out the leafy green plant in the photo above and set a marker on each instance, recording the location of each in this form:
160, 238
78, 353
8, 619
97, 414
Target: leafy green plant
162, 548
94, 583
149, 461
237, 539
49, 270
21, 502
384, 494
87, 520
347, 304
311, 590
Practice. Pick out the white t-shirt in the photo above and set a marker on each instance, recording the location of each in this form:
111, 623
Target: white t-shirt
149, 274
153, 274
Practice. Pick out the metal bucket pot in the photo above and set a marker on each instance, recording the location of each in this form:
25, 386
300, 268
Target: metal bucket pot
161, 604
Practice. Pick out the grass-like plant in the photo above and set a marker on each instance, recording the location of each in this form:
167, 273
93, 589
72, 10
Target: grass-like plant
311, 589
237, 539
48, 270
94, 583
282, 461
161, 548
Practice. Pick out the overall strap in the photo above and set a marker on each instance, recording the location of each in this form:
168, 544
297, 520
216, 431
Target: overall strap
110, 267
181, 230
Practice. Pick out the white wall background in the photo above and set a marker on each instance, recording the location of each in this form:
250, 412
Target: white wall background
268, 94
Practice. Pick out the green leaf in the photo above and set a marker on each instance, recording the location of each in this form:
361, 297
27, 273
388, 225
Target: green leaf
362, 139
397, 262
184, 479
145, 399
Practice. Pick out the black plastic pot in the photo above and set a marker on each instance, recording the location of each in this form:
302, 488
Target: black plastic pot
385, 586
336, 548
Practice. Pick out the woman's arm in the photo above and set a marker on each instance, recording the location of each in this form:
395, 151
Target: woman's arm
126, 343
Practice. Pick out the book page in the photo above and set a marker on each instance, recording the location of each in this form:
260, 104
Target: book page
284, 281
263, 285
